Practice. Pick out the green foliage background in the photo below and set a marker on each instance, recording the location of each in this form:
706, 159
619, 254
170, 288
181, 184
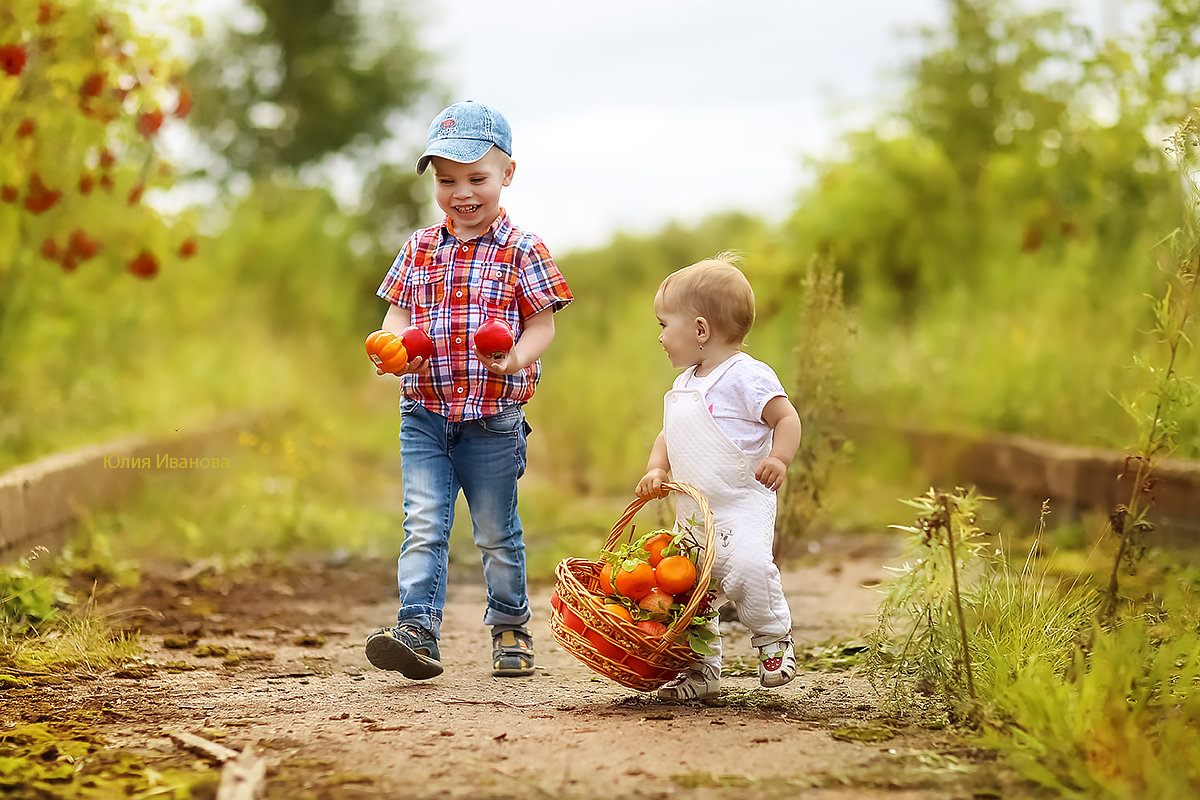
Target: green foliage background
996, 231
997, 234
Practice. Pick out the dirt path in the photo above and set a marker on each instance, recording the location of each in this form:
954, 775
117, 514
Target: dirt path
274, 661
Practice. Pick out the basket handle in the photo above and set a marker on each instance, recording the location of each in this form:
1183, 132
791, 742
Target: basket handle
704, 572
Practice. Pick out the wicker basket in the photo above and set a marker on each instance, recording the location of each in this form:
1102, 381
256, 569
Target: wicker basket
614, 647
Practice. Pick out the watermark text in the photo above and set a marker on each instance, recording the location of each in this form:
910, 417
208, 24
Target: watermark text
166, 461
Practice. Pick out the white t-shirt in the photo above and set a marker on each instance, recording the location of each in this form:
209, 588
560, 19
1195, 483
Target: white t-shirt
737, 397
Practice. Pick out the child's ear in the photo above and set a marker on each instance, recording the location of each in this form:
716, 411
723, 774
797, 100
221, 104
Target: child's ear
508, 173
703, 330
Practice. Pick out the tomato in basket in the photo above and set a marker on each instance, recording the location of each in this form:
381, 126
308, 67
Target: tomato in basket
657, 604
572, 620
647, 670
603, 646
617, 610
652, 627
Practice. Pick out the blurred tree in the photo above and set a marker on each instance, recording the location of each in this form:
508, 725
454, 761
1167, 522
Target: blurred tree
84, 96
309, 81
310, 78
1001, 149
995, 81
1156, 76
314, 92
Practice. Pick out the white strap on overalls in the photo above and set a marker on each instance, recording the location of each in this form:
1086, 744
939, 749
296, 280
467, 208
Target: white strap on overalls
702, 455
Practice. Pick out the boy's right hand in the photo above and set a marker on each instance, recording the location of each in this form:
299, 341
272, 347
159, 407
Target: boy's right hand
415, 364
650, 486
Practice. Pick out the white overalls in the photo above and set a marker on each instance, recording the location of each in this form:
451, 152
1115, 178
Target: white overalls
701, 454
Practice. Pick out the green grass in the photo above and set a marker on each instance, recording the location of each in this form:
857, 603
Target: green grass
1084, 709
1120, 722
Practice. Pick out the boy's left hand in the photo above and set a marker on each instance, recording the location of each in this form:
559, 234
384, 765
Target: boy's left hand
770, 473
499, 364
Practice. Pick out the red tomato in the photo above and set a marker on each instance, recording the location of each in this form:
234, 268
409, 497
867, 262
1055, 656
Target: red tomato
603, 646
652, 627
572, 620
657, 603
647, 670
494, 337
417, 342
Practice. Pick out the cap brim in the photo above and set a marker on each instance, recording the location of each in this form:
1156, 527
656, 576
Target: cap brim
464, 151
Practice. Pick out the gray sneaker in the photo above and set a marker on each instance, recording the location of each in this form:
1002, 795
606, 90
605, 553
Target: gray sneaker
512, 652
407, 649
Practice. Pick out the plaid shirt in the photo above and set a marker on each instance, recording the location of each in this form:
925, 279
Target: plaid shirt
450, 287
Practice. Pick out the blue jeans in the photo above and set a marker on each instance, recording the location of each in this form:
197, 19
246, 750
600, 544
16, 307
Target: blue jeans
483, 458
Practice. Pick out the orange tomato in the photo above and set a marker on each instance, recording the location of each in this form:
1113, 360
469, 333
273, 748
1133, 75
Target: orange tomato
634, 583
376, 338
675, 574
606, 584
655, 545
387, 351
617, 610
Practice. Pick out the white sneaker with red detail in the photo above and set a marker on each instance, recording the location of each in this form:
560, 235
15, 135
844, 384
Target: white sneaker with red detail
776, 663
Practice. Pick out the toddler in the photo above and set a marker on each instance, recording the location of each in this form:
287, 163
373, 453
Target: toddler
729, 431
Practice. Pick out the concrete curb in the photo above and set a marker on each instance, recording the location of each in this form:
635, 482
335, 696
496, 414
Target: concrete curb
39, 501
1084, 478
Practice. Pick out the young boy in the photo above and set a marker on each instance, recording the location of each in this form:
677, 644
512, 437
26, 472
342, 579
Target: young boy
462, 425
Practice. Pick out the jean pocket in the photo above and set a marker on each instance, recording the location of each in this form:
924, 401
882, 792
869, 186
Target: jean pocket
508, 422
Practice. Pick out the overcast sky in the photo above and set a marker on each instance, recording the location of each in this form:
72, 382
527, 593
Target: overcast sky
629, 113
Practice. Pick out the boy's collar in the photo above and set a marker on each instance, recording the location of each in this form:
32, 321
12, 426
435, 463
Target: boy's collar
499, 229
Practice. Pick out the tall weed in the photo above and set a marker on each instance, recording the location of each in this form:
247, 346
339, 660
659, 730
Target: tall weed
28, 599
1026, 619
921, 643
824, 331
1162, 412
44, 630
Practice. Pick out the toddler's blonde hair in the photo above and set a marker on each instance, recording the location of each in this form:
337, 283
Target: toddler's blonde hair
714, 289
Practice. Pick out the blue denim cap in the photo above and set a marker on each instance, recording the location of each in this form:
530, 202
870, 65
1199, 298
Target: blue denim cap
464, 132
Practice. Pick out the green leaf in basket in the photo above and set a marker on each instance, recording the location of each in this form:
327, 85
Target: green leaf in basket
698, 639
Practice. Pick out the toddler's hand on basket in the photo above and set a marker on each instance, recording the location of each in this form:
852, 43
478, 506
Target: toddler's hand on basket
651, 484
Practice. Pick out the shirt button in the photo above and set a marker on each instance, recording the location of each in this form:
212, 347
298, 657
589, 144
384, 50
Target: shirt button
458, 293
459, 390
458, 340
464, 248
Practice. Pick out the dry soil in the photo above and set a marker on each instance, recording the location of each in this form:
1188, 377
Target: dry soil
270, 659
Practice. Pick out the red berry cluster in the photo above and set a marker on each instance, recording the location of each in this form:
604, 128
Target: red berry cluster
12, 59
115, 73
